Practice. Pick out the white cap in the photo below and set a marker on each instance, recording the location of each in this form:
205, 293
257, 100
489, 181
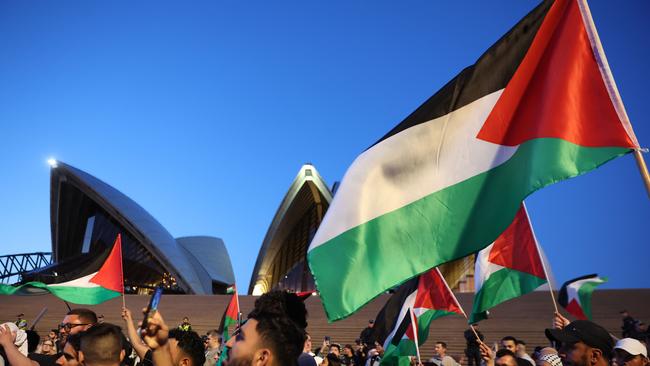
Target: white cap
631, 346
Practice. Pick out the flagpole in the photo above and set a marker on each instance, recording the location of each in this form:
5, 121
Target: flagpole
239, 313
119, 238
458, 304
612, 89
643, 169
415, 335
541, 258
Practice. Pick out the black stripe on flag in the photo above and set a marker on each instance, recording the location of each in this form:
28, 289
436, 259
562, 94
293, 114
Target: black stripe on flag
491, 72
401, 330
387, 317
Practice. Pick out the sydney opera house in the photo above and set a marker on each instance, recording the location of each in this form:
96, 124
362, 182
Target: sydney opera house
86, 216
282, 260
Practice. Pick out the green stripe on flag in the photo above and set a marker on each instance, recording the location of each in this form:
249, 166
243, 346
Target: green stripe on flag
502, 285
76, 295
395, 355
584, 293
443, 226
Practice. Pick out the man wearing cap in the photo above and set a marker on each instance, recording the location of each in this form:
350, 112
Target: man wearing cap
630, 352
367, 335
583, 343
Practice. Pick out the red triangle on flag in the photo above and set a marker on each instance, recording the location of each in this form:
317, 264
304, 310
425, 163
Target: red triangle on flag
233, 307
110, 275
576, 310
557, 91
516, 247
433, 293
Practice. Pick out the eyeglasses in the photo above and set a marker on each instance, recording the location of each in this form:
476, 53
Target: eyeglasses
47, 344
69, 326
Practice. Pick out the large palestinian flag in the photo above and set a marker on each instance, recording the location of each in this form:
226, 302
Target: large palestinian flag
508, 268
575, 295
91, 289
537, 107
428, 297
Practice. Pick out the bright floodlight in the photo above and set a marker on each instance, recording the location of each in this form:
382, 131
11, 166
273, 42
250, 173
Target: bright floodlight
52, 162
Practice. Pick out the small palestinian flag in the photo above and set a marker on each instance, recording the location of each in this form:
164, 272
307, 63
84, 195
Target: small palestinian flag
575, 295
230, 317
539, 106
91, 289
428, 297
508, 268
229, 321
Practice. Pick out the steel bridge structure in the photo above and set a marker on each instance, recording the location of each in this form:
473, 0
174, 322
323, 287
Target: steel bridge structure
12, 266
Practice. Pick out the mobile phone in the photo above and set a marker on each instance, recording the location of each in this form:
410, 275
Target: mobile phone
153, 306
327, 339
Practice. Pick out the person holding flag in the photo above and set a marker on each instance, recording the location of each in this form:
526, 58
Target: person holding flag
403, 323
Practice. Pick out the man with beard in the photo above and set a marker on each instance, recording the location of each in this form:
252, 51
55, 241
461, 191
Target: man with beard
582, 343
274, 333
76, 321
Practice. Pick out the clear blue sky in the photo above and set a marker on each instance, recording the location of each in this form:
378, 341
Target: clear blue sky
203, 112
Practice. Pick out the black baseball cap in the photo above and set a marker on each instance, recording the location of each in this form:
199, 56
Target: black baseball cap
588, 332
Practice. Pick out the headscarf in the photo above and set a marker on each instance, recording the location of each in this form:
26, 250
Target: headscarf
21, 337
551, 358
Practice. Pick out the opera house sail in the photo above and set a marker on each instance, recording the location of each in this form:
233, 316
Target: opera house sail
86, 216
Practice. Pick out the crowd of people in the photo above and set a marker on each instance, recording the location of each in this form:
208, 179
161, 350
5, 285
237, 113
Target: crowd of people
274, 334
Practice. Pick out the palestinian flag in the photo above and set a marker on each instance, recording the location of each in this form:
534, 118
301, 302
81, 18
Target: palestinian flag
428, 297
537, 107
230, 316
229, 319
91, 289
575, 295
508, 268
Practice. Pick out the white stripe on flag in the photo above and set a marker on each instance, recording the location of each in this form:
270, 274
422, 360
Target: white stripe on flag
414, 163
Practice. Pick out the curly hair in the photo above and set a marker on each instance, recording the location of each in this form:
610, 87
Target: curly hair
191, 344
281, 321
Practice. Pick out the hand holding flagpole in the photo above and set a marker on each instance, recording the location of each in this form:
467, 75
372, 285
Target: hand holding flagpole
118, 241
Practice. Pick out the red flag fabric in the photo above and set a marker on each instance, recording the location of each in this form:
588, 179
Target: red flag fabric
110, 275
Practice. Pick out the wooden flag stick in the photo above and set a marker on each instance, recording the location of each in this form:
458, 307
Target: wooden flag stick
415, 335
643, 169
541, 259
612, 89
119, 240
458, 304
